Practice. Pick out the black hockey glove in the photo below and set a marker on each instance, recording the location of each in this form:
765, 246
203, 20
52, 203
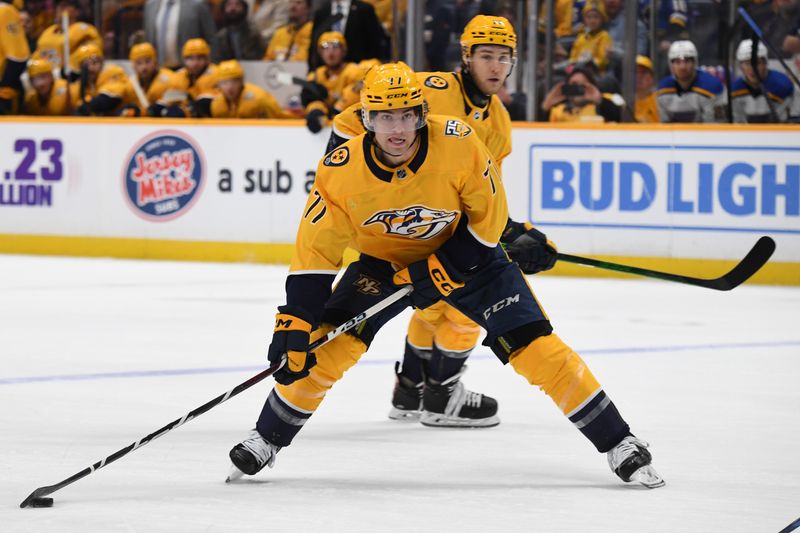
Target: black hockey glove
314, 120
533, 252
293, 327
6, 106
313, 91
432, 278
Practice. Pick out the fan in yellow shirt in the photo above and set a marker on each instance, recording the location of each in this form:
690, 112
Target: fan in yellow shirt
290, 42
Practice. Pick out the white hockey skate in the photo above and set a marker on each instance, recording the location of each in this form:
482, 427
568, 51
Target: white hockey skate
251, 455
630, 460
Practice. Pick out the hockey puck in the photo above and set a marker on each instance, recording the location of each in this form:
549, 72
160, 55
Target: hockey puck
41, 502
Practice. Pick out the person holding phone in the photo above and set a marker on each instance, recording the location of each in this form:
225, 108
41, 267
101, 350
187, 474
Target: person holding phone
577, 99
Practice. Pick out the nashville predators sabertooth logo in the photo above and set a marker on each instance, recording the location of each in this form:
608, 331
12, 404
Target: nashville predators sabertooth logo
417, 221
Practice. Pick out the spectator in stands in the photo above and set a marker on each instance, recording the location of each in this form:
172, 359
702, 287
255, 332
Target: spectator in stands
26, 23
779, 21
327, 83
268, 16
169, 24
48, 96
562, 25
102, 89
14, 54
689, 94
50, 44
439, 24
384, 12
646, 108
357, 21
291, 41
237, 99
593, 44
150, 79
197, 77
760, 94
616, 28
238, 38
577, 99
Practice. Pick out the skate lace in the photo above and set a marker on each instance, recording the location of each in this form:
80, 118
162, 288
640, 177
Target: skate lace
460, 396
264, 451
629, 446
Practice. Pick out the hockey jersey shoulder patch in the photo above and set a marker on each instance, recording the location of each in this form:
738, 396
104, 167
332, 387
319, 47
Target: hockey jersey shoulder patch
337, 158
436, 82
456, 128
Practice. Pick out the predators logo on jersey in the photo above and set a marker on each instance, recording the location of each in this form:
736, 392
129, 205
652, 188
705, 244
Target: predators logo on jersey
455, 128
436, 82
337, 158
417, 222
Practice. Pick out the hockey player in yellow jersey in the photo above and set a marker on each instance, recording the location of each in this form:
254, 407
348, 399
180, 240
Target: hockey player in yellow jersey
14, 52
237, 99
441, 336
197, 76
420, 199
152, 80
103, 89
47, 95
327, 84
50, 43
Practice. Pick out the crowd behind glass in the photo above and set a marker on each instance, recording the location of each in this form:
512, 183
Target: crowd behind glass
185, 57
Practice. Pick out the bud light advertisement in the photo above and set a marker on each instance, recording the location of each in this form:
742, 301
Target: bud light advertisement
164, 176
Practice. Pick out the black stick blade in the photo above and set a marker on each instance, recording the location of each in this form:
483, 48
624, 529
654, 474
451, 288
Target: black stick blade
37, 496
752, 263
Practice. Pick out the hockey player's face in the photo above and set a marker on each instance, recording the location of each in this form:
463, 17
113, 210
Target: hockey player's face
332, 54
750, 75
195, 64
489, 66
395, 132
95, 65
682, 69
42, 83
231, 89
145, 67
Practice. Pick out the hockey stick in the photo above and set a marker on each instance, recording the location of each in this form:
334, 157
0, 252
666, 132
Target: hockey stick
752, 23
37, 497
752, 262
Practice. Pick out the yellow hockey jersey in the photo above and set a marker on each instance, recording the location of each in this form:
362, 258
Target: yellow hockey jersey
335, 84
50, 44
57, 103
402, 214
112, 81
289, 43
13, 45
444, 92
205, 86
254, 102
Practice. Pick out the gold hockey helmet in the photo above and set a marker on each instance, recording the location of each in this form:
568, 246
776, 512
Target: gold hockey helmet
331, 37
38, 66
142, 50
388, 87
196, 47
487, 29
229, 70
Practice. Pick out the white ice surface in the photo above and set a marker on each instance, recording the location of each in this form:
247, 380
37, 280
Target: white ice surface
709, 379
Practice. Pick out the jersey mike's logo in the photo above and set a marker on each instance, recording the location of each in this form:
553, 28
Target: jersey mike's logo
417, 222
164, 176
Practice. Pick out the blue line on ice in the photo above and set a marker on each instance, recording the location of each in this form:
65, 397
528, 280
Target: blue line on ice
372, 361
